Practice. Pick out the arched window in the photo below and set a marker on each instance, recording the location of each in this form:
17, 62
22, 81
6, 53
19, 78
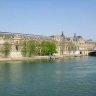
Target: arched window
16, 47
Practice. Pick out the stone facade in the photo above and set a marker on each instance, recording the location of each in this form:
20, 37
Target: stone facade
65, 45
16, 39
73, 45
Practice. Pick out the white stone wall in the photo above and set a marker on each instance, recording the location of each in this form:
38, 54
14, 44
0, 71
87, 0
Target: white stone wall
15, 54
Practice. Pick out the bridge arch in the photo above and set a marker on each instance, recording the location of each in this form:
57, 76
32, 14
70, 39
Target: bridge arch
93, 53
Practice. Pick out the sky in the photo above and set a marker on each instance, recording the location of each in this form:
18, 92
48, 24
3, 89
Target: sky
49, 17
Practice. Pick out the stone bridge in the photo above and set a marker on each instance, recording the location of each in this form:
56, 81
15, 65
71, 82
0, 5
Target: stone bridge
92, 53
88, 52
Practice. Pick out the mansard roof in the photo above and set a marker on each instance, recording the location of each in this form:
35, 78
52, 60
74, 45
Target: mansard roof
26, 36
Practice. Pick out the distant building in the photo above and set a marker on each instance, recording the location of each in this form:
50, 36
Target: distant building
65, 45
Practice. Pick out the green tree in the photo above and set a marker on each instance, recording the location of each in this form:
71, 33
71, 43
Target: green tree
6, 49
28, 48
33, 47
37, 47
48, 47
23, 50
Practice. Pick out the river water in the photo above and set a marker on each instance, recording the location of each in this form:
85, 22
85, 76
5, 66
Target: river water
66, 77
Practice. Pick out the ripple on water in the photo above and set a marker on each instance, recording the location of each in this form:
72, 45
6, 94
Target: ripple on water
68, 77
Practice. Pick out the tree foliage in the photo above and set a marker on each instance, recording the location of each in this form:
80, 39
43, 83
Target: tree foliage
48, 48
6, 48
28, 48
33, 47
24, 50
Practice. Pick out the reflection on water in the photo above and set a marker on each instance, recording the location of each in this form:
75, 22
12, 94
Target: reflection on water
61, 77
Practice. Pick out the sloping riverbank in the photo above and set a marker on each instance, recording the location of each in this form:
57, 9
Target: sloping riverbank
24, 58
36, 58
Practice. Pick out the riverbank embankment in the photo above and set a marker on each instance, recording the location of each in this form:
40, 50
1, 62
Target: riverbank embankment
24, 58
35, 58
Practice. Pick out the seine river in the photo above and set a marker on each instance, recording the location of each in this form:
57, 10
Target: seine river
67, 77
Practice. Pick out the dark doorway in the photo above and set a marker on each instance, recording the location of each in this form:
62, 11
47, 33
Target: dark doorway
80, 52
16, 47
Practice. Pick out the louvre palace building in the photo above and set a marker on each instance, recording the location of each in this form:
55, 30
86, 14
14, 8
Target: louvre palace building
64, 45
